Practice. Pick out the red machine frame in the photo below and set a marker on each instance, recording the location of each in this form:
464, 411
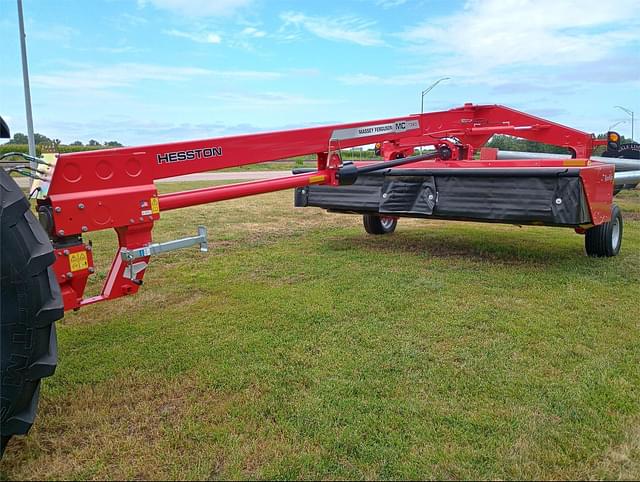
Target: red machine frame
96, 190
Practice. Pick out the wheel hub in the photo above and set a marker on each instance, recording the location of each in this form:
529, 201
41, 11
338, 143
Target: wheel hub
615, 232
387, 222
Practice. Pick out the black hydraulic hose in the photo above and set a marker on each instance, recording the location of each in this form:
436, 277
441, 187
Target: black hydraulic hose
351, 168
27, 157
348, 172
398, 162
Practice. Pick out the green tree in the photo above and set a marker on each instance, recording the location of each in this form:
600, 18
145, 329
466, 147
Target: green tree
19, 138
510, 143
112, 144
42, 139
93, 142
76, 143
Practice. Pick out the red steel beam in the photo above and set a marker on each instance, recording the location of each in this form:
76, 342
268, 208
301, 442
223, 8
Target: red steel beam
222, 193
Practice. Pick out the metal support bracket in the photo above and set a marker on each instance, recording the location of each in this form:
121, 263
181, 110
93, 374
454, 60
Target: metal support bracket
129, 255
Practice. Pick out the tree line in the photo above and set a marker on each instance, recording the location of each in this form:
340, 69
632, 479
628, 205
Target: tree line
509, 143
503, 142
42, 140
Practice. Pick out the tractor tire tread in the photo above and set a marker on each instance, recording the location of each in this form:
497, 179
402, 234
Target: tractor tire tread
30, 303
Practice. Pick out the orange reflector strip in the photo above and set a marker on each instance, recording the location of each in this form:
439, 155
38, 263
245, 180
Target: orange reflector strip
316, 179
575, 162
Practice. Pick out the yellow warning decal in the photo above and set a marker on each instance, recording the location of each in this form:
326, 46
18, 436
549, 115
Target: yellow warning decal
575, 162
78, 261
155, 205
319, 178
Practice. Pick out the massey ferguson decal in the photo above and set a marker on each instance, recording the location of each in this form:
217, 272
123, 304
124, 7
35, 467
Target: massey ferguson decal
365, 131
189, 155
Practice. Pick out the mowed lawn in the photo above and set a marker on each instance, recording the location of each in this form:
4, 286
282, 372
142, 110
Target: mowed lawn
300, 347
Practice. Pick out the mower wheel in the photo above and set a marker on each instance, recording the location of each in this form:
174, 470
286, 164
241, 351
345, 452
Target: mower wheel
374, 224
30, 303
605, 239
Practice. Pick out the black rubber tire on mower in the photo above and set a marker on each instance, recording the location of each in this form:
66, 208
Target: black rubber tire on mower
374, 224
30, 303
605, 239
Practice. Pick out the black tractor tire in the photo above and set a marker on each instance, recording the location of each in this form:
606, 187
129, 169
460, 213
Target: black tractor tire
605, 239
374, 224
30, 303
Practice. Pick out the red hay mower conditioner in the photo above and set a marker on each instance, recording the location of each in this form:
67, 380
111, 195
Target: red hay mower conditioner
46, 263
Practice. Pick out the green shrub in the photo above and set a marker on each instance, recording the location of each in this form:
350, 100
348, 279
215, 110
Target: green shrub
4, 148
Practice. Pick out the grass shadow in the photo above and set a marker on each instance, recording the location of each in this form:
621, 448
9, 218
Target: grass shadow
504, 247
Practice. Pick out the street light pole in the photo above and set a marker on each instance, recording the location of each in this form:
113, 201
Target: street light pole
617, 124
428, 89
25, 79
629, 112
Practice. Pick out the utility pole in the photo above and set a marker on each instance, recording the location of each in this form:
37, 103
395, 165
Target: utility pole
25, 79
428, 89
628, 112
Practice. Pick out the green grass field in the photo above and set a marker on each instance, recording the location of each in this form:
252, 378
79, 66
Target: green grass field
299, 347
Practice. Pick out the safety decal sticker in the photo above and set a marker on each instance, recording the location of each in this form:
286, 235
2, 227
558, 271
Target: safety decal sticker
78, 261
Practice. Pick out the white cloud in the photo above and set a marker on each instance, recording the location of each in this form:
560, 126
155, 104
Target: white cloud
133, 20
124, 49
253, 32
199, 37
198, 8
132, 131
57, 33
519, 46
398, 80
247, 74
390, 3
88, 77
117, 75
493, 33
239, 39
265, 99
342, 29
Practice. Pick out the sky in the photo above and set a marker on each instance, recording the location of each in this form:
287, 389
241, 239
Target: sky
150, 71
